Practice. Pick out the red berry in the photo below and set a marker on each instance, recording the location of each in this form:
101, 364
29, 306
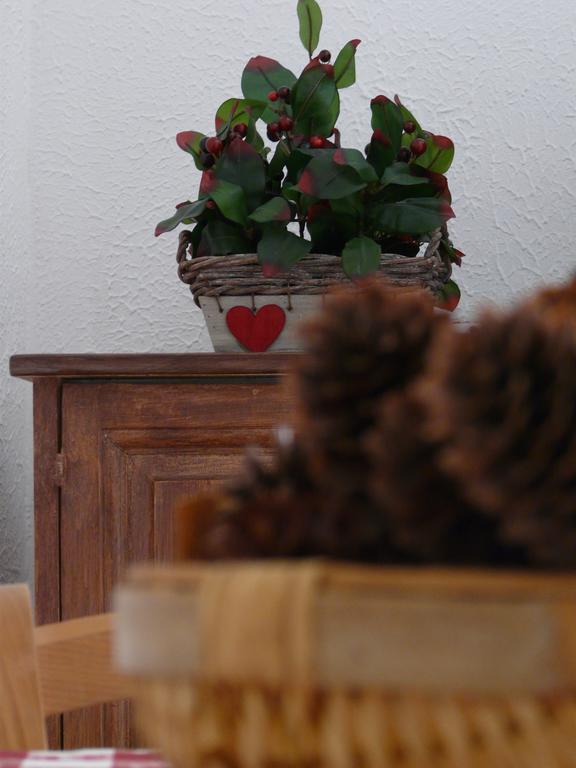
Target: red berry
418, 147
214, 145
316, 142
285, 123
241, 129
403, 155
273, 96
324, 56
284, 93
409, 126
211, 204
273, 132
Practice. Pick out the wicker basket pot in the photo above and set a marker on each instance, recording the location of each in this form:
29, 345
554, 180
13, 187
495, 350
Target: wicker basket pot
311, 664
219, 283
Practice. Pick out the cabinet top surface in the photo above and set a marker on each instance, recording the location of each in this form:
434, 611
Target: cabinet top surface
158, 365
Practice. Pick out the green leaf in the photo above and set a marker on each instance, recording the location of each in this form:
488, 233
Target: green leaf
315, 101
438, 156
380, 152
241, 164
184, 214
189, 141
407, 116
262, 75
356, 160
360, 257
414, 216
231, 201
235, 111
276, 209
403, 174
330, 230
220, 238
310, 18
280, 158
323, 178
298, 160
387, 118
449, 296
281, 248
345, 65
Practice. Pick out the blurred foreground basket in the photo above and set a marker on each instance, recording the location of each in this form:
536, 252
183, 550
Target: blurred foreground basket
317, 665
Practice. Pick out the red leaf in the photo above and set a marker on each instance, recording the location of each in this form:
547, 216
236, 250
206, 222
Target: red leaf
442, 142
339, 157
187, 139
317, 209
446, 211
316, 63
207, 182
381, 137
306, 183
270, 270
380, 100
261, 64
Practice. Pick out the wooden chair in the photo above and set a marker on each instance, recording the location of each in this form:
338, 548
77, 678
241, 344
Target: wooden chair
49, 670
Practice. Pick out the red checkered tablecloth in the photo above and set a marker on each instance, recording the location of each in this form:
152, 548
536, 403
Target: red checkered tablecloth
83, 758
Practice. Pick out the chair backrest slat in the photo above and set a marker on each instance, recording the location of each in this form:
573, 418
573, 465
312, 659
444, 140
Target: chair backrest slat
51, 669
21, 716
75, 664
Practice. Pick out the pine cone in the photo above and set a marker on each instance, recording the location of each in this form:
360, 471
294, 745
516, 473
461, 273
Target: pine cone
428, 517
367, 342
502, 399
267, 511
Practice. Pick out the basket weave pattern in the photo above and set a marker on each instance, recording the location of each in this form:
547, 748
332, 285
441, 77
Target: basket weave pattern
253, 688
247, 726
241, 275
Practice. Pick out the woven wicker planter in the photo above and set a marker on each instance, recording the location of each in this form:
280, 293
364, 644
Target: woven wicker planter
219, 283
308, 664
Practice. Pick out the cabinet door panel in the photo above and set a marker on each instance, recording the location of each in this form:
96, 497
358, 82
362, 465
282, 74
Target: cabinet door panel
130, 451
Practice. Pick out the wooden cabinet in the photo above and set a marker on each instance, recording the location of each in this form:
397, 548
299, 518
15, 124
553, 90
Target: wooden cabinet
117, 439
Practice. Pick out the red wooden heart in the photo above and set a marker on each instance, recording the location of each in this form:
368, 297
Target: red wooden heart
256, 331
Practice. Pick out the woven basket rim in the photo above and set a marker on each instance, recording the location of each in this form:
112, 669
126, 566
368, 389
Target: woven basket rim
241, 274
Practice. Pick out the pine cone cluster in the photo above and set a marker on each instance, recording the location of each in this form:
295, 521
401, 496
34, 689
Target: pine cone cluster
429, 518
416, 442
366, 344
266, 511
555, 307
502, 400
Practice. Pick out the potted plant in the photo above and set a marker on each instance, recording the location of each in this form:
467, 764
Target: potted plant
273, 230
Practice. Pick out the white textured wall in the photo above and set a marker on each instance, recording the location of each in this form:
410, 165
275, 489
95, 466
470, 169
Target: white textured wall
112, 81
15, 252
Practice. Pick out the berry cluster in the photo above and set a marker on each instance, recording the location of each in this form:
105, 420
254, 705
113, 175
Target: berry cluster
284, 124
417, 146
211, 146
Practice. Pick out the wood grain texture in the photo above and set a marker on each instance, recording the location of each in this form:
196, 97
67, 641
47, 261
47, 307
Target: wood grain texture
21, 718
47, 435
119, 439
75, 664
116, 366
